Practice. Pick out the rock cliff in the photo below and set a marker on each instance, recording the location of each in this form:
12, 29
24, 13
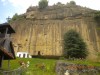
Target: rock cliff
41, 31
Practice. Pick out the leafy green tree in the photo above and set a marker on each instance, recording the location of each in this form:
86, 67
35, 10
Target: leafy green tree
72, 2
43, 4
74, 46
59, 3
15, 16
97, 16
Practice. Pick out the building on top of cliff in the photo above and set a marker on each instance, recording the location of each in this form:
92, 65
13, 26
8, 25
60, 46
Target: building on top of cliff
6, 47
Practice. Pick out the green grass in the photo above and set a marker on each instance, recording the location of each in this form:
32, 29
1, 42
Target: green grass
49, 65
33, 69
85, 62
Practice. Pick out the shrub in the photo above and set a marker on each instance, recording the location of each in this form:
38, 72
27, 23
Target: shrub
43, 4
72, 2
16, 17
97, 16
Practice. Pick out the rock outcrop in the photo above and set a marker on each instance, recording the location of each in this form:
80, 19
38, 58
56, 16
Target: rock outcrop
65, 68
41, 32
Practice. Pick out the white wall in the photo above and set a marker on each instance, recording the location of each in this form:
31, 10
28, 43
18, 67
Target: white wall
23, 55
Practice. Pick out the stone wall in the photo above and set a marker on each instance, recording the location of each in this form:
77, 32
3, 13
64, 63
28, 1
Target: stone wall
46, 36
65, 68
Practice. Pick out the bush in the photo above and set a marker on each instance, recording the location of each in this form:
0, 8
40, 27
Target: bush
43, 4
62, 58
74, 46
97, 16
16, 17
72, 2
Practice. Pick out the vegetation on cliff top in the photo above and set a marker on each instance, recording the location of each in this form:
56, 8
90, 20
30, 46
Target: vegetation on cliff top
43, 4
97, 16
16, 17
97, 19
72, 2
56, 11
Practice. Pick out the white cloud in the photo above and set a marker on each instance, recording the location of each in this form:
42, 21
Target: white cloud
22, 5
26, 3
3, 0
94, 4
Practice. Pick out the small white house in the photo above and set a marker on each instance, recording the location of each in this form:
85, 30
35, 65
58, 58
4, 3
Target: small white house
23, 55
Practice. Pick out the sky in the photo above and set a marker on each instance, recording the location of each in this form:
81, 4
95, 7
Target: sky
9, 7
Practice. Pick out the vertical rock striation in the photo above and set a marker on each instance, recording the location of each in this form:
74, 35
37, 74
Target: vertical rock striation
41, 32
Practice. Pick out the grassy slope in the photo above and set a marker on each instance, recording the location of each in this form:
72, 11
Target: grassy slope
33, 69
49, 65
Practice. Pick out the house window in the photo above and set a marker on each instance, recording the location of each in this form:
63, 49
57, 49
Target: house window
19, 55
23, 55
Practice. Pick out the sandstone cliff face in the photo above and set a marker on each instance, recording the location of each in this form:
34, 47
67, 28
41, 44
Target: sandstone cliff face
41, 32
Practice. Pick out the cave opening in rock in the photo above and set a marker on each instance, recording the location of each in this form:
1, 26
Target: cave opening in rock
39, 53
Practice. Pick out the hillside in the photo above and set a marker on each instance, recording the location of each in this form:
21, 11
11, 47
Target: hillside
40, 32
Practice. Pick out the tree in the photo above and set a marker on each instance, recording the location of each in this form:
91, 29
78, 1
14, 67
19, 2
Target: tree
43, 4
97, 16
72, 2
74, 46
16, 17
59, 3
